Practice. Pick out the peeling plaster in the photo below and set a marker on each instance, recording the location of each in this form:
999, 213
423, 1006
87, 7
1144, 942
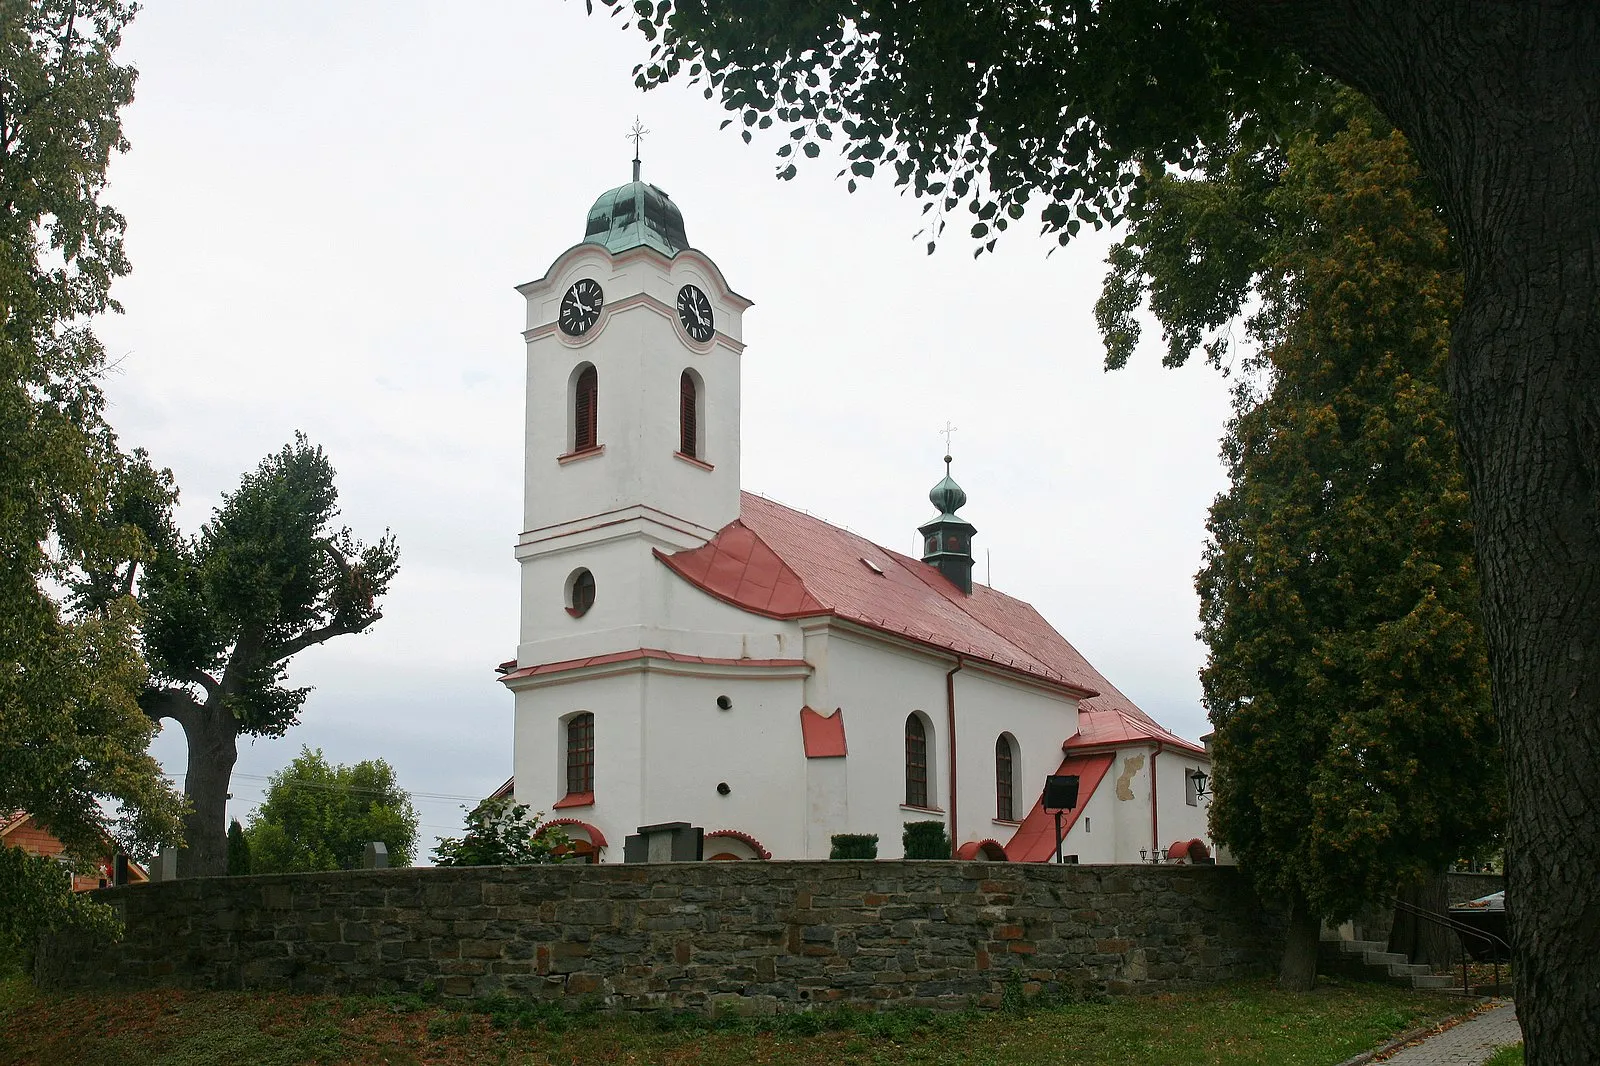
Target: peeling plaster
1130, 766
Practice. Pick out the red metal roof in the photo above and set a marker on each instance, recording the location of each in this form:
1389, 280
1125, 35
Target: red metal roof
783, 563
823, 734
1112, 719
1035, 838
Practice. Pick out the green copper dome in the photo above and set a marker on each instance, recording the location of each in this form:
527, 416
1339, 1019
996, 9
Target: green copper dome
636, 214
947, 496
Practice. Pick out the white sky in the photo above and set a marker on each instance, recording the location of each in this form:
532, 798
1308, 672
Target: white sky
328, 205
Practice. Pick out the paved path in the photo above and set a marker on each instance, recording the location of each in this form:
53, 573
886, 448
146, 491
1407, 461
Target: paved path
1467, 1044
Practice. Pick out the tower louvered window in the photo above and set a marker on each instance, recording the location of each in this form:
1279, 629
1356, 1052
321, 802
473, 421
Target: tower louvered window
1003, 807
916, 762
585, 410
688, 416
580, 753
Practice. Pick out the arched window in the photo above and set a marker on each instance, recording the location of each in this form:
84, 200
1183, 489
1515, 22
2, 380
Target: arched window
1004, 765
689, 415
580, 753
916, 762
585, 410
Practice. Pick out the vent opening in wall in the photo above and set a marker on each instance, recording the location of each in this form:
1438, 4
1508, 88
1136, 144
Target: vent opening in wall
724, 702
580, 592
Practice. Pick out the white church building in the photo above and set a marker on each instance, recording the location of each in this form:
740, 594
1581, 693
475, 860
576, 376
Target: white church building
690, 652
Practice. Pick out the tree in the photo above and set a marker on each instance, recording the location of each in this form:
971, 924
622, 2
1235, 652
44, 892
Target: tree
1346, 674
268, 577
71, 735
318, 816
238, 850
987, 104
500, 832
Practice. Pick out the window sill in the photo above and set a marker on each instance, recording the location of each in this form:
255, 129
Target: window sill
587, 453
692, 461
573, 799
921, 810
1007, 821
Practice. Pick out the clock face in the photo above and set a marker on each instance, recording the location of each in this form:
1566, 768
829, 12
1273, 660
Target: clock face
580, 307
694, 311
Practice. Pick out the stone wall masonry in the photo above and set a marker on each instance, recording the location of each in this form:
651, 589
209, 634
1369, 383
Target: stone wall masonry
757, 937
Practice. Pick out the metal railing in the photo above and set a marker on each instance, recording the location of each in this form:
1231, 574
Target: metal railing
1497, 948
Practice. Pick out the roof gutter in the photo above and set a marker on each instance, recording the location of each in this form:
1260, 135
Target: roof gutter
950, 715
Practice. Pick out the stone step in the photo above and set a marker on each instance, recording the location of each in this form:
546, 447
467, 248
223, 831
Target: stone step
1407, 969
1361, 947
1384, 958
1434, 980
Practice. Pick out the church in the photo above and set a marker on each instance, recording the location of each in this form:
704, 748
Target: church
691, 652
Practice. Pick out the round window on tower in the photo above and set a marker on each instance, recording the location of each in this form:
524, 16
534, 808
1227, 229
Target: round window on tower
580, 593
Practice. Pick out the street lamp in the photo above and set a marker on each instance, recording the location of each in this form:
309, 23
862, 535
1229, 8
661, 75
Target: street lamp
1060, 794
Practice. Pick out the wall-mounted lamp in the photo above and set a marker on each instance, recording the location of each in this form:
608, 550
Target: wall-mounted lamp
1201, 780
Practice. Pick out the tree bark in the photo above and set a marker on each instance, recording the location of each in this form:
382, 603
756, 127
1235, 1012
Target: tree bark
1422, 941
1501, 101
213, 749
1298, 971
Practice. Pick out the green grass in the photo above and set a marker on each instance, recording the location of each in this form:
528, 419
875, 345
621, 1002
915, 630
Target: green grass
1248, 1024
1506, 1056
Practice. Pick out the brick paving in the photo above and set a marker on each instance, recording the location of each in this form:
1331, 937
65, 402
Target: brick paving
1467, 1044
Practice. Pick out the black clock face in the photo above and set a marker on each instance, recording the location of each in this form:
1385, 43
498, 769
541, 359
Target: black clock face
580, 307
694, 311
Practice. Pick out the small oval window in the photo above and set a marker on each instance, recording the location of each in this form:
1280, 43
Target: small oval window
580, 593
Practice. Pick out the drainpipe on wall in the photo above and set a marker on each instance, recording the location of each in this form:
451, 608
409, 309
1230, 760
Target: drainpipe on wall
950, 709
1155, 828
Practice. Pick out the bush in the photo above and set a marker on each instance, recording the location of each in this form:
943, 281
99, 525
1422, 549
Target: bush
238, 850
36, 898
854, 846
926, 840
500, 832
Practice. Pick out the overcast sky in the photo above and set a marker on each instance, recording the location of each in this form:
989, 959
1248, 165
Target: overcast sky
328, 207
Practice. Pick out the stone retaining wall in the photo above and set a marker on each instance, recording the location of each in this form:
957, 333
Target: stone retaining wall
757, 937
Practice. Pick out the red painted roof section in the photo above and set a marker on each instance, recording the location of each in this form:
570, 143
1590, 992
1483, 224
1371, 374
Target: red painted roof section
1111, 718
1035, 838
783, 563
640, 653
738, 566
823, 734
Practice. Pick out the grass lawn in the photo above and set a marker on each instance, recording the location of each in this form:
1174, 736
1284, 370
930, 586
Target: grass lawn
1246, 1023
1506, 1056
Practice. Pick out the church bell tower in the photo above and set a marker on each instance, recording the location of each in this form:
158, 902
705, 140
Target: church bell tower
632, 436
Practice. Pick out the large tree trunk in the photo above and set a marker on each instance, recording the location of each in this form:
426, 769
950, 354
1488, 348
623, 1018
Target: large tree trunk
1298, 970
1501, 101
213, 749
1417, 938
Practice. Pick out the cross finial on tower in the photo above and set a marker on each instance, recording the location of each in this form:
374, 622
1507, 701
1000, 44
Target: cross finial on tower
948, 431
636, 135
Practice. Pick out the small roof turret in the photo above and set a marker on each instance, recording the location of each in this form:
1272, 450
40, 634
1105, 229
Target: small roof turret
947, 537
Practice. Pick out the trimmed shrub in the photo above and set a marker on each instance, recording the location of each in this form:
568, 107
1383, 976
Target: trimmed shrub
926, 840
854, 846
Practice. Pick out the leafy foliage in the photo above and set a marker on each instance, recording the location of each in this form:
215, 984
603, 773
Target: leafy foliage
266, 578
238, 850
318, 816
269, 576
1347, 679
500, 832
71, 735
982, 106
853, 846
38, 896
926, 840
